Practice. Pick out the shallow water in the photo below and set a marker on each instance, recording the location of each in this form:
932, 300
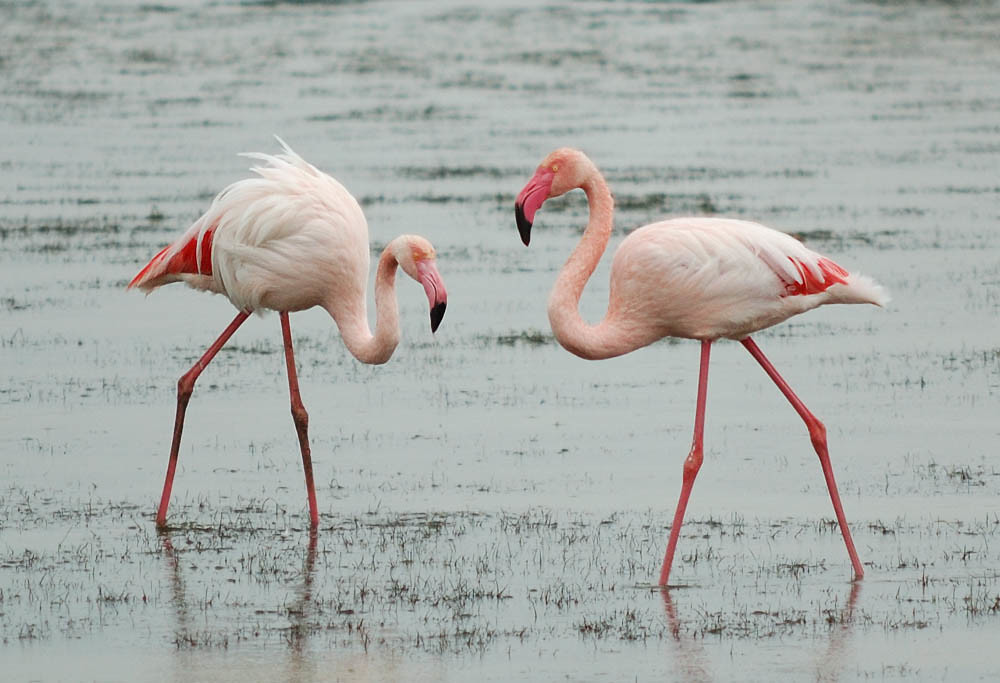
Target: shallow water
492, 506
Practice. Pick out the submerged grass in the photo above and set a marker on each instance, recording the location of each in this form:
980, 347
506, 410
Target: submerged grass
466, 581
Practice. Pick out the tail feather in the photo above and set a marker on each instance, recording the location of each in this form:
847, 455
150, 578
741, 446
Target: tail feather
861, 289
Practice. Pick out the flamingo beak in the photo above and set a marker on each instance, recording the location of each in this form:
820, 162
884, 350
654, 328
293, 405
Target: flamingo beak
437, 295
530, 200
437, 315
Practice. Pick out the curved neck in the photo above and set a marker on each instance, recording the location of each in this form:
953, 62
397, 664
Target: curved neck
592, 342
353, 321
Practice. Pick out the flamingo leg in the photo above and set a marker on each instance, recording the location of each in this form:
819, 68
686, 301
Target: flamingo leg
301, 419
185, 387
817, 433
691, 464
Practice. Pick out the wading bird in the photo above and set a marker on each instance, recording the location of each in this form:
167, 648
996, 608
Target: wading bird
286, 240
696, 278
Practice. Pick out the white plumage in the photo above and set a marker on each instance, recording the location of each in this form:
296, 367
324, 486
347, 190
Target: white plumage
260, 229
722, 277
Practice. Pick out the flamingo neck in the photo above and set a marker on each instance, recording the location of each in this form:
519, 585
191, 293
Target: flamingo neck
377, 348
592, 342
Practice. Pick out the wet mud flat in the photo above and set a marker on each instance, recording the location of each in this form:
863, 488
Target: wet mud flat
491, 506
445, 595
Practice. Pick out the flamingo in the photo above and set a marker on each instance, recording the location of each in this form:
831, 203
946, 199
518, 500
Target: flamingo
694, 278
286, 240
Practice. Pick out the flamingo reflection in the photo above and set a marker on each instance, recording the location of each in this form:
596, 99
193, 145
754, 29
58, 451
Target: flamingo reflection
299, 612
692, 661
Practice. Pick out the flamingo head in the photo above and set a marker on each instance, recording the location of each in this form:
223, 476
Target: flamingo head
416, 256
563, 170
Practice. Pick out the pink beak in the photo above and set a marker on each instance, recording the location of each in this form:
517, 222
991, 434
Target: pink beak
437, 295
531, 199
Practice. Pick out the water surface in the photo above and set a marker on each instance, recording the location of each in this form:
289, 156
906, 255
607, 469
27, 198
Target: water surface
493, 507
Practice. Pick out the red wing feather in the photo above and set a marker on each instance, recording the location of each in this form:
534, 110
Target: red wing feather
832, 274
176, 259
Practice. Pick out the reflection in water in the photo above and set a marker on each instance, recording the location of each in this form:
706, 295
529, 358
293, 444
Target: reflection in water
690, 655
199, 655
831, 664
299, 612
691, 661
178, 594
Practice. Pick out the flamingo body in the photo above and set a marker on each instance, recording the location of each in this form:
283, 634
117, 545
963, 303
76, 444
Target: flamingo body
290, 239
712, 278
286, 240
696, 278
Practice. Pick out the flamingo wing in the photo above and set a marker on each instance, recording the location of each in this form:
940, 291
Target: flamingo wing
801, 270
706, 278
747, 251
291, 229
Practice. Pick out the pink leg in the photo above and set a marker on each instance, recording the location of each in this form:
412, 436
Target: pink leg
691, 465
301, 419
817, 432
185, 386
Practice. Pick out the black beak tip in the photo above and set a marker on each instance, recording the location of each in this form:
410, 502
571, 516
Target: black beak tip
437, 314
523, 224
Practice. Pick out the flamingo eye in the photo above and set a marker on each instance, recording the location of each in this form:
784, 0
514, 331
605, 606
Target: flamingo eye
555, 168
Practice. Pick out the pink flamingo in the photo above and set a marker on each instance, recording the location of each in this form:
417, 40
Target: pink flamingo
697, 278
287, 240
